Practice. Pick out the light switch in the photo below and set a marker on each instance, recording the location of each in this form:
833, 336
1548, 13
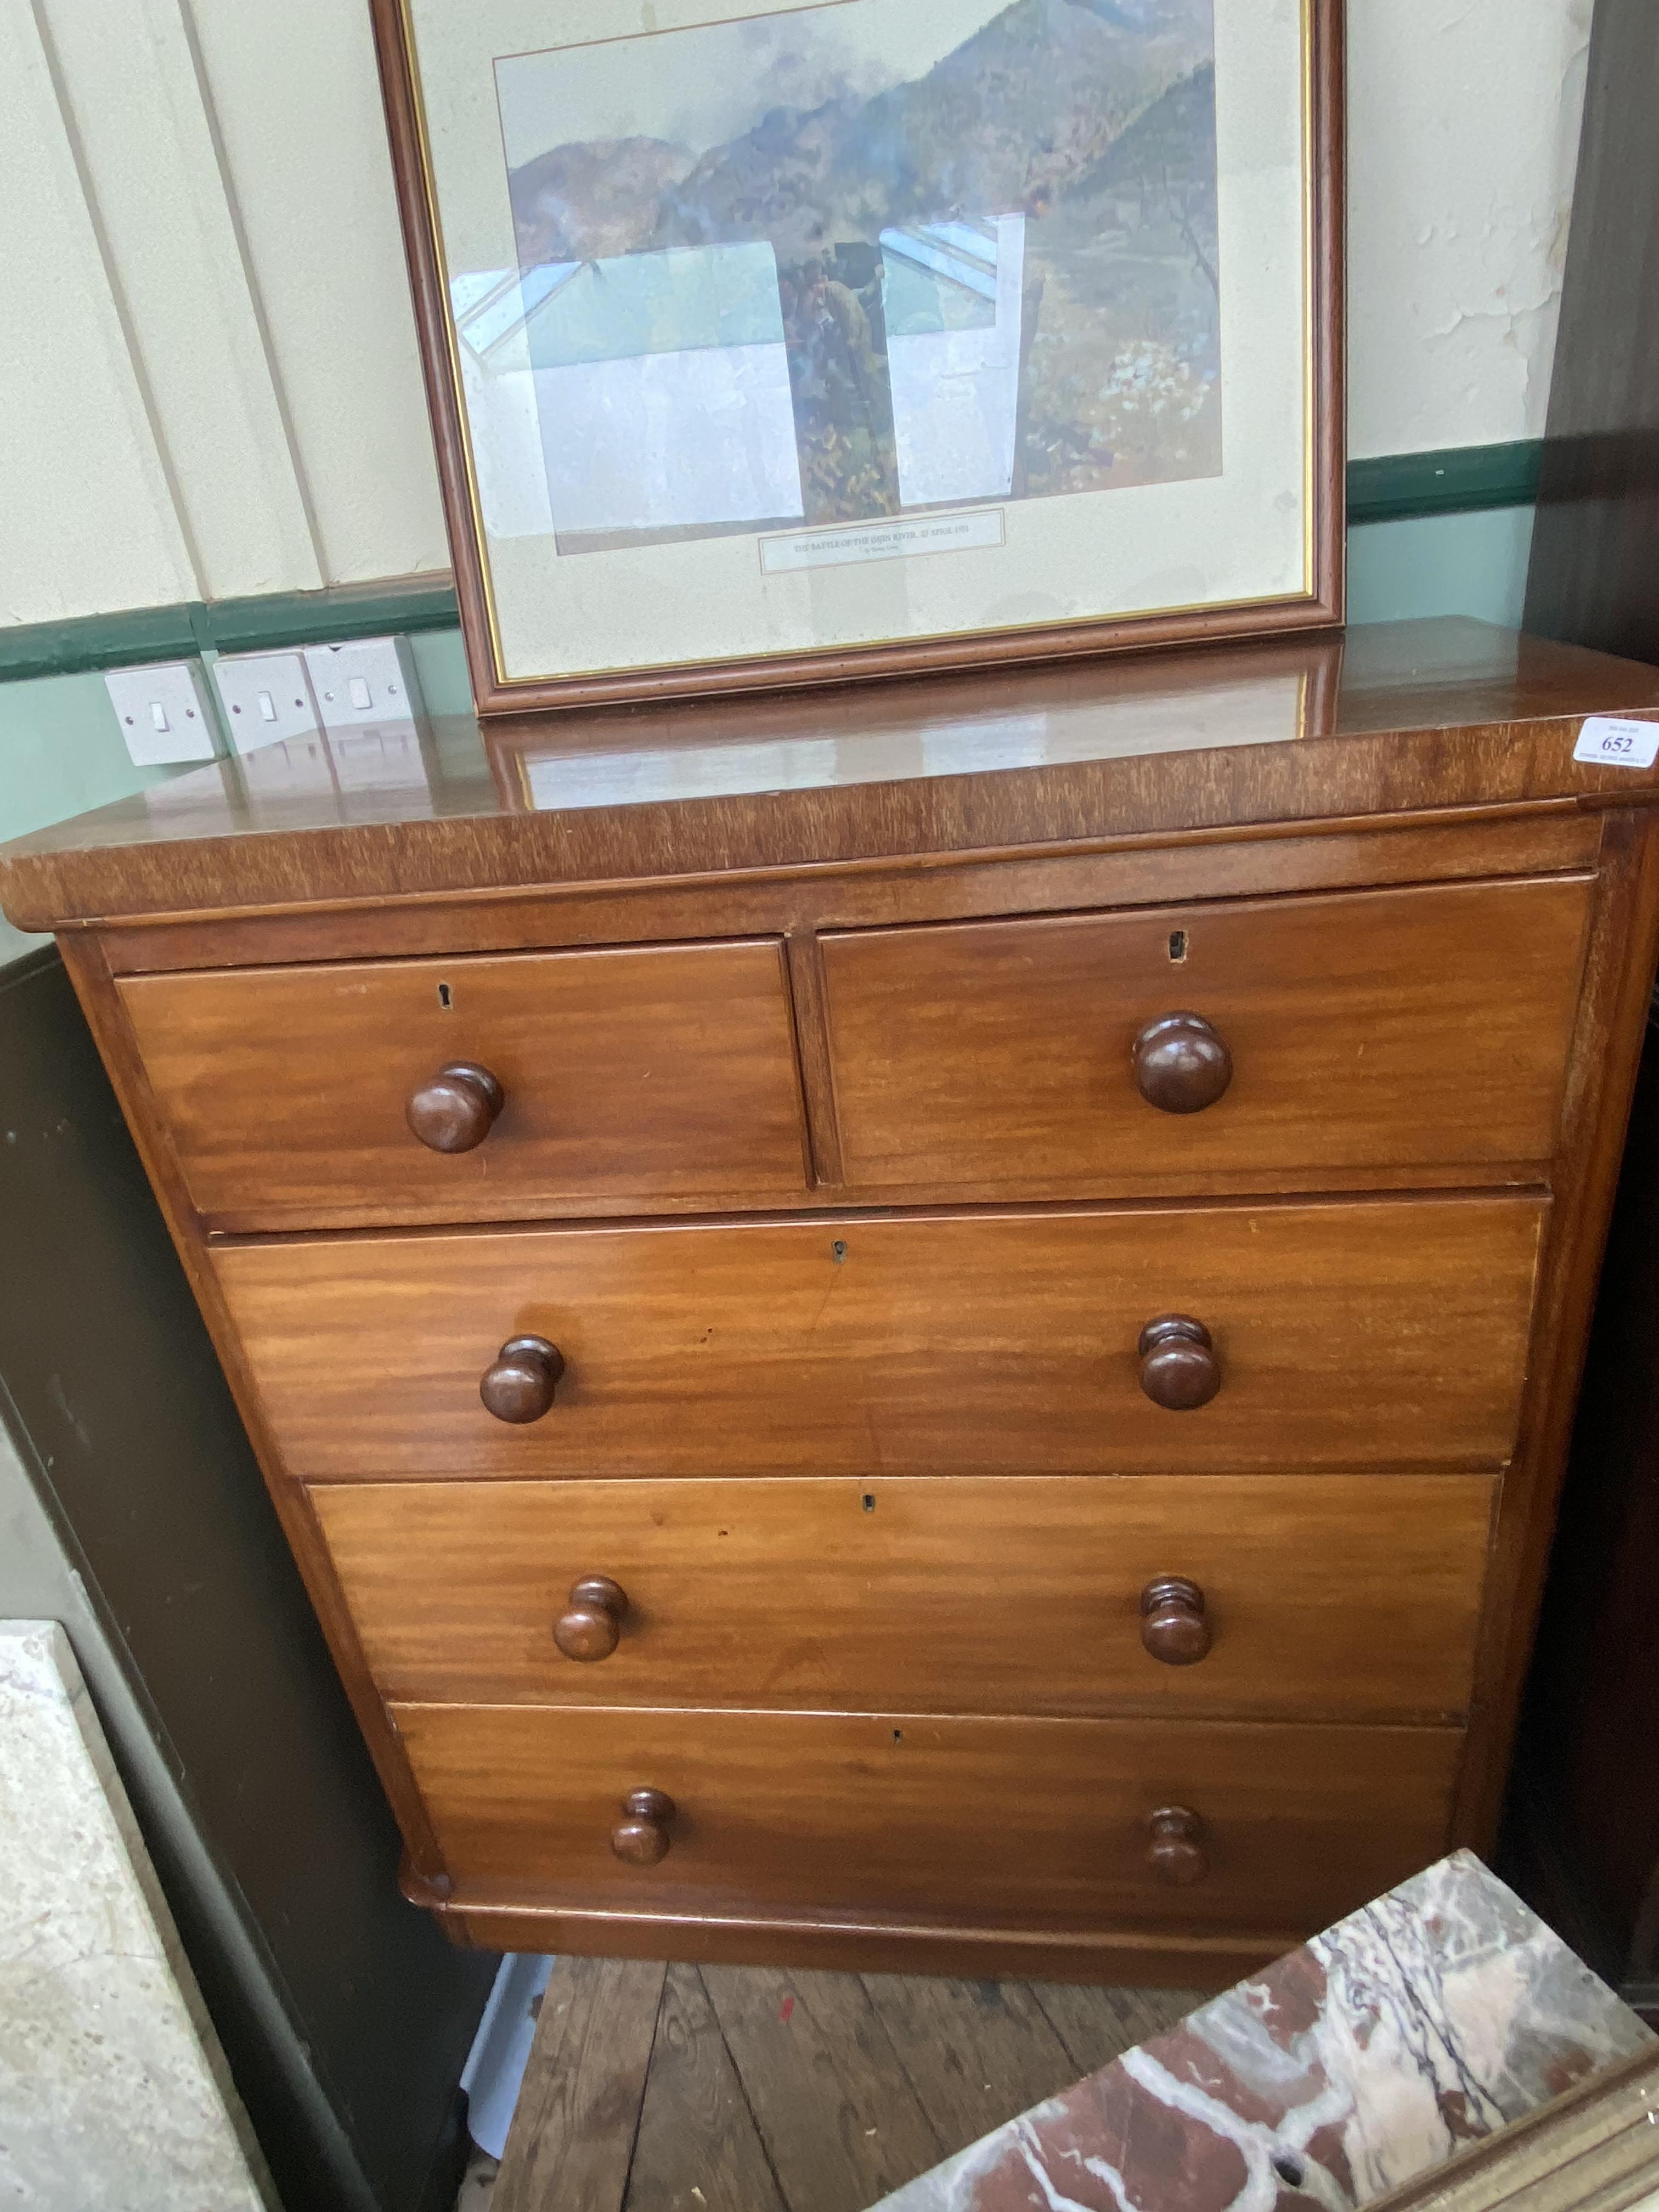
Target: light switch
369, 682
266, 696
163, 713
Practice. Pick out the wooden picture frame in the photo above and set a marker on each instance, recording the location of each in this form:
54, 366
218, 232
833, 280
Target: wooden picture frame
510, 674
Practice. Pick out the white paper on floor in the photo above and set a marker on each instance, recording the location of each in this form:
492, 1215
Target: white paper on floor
500, 2050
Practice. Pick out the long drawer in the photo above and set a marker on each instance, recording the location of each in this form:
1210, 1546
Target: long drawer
1376, 1333
1371, 1032
654, 1074
911, 1819
1287, 1597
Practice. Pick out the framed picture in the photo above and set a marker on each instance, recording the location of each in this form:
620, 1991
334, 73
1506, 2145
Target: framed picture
775, 344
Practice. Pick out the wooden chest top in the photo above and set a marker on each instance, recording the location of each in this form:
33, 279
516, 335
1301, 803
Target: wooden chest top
1400, 719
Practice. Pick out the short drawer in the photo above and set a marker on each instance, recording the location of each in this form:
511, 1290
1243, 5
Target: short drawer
1282, 1597
1367, 1033
910, 1818
658, 1076
1376, 1333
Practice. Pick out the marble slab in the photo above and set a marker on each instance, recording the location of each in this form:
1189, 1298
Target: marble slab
1434, 2016
114, 2096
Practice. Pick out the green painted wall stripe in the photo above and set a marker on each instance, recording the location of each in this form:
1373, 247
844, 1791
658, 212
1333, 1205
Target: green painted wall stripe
134, 635
268, 623
400, 603
1461, 480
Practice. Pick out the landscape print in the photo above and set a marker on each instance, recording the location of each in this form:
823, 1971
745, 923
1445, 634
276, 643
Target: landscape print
866, 259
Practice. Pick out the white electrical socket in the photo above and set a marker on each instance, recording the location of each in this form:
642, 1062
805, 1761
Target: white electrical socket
163, 713
371, 680
266, 696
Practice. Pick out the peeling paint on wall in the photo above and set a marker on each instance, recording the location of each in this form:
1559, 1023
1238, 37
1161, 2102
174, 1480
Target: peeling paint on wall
1465, 119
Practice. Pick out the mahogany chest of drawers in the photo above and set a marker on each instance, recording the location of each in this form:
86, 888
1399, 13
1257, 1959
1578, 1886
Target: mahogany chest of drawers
930, 1326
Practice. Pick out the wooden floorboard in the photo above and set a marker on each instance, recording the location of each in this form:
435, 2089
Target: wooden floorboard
975, 2052
698, 2148
749, 2089
829, 2092
1097, 2026
574, 2128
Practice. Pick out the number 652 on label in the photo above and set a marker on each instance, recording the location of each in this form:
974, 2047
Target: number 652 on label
1615, 742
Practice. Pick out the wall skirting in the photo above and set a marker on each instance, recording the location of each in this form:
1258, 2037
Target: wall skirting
1459, 481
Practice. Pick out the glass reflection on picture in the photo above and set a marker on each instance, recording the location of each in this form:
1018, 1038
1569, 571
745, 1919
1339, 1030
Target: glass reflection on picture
953, 311
849, 261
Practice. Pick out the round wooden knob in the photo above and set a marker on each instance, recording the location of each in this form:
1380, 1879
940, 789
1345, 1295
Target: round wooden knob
1173, 1624
518, 1384
1180, 1064
1176, 1852
591, 1624
1178, 1367
642, 1836
457, 1110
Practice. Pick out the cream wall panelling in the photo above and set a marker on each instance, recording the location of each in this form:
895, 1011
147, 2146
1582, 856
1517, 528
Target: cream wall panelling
298, 100
86, 520
269, 432
133, 99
